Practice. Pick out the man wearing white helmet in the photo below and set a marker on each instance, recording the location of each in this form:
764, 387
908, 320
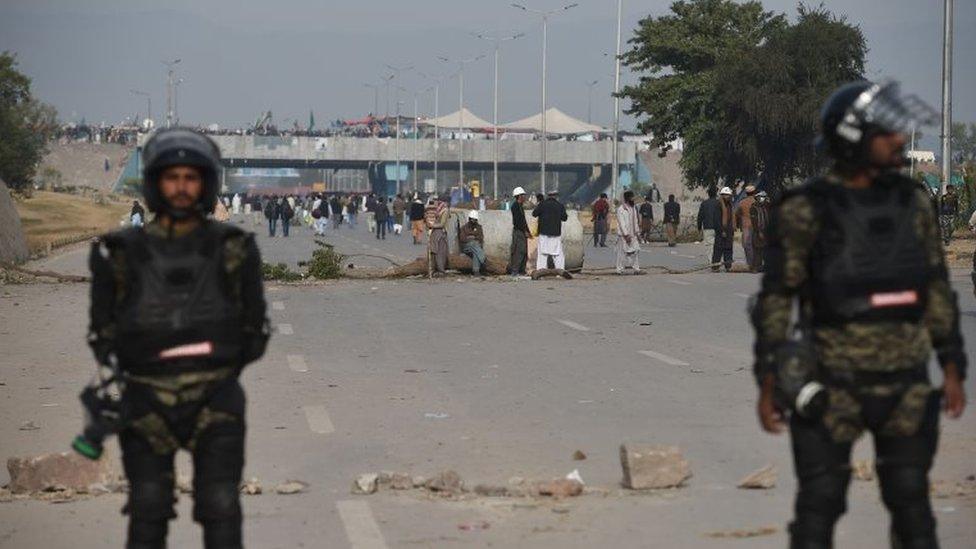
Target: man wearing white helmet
724, 231
472, 239
520, 235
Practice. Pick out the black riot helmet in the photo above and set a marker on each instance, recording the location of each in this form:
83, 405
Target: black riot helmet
857, 111
180, 147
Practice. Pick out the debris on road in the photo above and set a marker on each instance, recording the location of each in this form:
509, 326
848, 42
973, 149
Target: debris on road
365, 484
760, 479
863, 469
396, 481
28, 426
251, 487
492, 491
578, 455
291, 487
448, 482
436, 415
559, 488
648, 466
575, 475
944, 489
64, 469
744, 533
474, 526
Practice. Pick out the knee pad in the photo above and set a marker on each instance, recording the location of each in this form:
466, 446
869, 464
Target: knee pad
150, 501
905, 491
825, 493
216, 502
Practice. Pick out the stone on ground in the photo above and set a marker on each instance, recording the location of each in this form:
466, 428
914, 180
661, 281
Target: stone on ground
365, 484
66, 470
649, 466
447, 481
291, 487
559, 488
760, 479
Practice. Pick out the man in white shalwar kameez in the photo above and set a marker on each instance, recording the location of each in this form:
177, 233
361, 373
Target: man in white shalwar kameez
235, 204
628, 227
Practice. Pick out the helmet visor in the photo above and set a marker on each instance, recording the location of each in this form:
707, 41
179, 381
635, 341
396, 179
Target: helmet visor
883, 106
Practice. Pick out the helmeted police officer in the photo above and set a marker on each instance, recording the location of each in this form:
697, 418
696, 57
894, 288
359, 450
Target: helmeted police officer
178, 306
858, 248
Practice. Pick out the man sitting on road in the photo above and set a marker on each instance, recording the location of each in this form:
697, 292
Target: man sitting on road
472, 240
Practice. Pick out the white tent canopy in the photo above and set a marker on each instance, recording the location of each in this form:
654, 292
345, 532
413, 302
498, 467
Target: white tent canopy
556, 122
454, 120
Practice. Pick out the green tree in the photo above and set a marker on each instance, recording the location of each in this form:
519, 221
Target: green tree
964, 145
25, 124
678, 56
772, 96
740, 86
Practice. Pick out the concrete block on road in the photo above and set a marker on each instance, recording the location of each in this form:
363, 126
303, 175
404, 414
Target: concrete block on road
59, 470
650, 466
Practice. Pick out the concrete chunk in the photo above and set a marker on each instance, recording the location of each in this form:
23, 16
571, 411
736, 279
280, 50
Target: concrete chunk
648, 466
760, 479
66, 469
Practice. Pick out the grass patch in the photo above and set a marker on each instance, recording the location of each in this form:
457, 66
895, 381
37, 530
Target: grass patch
49, 217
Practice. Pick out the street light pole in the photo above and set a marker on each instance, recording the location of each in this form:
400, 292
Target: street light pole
461, 63
497, 40
176, 99
615, 170
946, 98
589, 100
376, 97
437, 129
397, 140
416, 132
545, 30
386, 80
169, 90
148, 102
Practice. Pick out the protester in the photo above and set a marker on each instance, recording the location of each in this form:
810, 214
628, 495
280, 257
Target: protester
628, 235
435, 216
399, 208
646, 212
706, 219
287, 213
724, 232
759, 216
672, 217
601, 224
743, 222
235, 204
472, 239
551, 214
137, 216
521, 234
381, 213
417, 220
272, 212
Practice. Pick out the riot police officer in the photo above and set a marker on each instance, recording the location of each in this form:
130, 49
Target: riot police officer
858, 249
178, 306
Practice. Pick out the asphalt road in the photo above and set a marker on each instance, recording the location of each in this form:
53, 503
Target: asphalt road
492, 378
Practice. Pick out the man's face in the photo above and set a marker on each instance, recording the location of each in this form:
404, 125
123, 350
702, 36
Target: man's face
181, 186
887, 150
520, 198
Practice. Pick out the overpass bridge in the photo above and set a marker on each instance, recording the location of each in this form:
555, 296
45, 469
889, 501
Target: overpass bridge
572, 166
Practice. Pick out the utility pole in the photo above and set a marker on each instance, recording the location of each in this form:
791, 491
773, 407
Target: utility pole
416, 133
545, 42
397, 140
615, 170
496, 40
176, 99
946, 99
169, 90
386, 81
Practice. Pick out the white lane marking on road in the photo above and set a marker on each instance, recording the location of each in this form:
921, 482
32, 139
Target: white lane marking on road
318, 419
686, 256
744, 296
361, 527
664, 358
278, 305
297, 363
681, 282
573, 325
285, 329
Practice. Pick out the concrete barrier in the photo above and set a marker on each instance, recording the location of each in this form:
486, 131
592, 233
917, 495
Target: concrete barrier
497, 226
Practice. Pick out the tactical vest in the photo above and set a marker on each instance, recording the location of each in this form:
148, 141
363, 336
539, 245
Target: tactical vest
868, 263
178, 309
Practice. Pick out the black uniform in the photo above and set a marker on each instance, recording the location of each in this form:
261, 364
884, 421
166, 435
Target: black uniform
867, 268
181, 312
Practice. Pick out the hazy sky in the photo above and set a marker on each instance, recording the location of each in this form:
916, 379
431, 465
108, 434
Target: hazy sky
243, 57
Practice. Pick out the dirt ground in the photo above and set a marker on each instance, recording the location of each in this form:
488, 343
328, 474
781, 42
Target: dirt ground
50, 217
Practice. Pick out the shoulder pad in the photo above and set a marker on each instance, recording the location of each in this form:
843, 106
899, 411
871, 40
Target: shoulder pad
812, 187
122, 237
